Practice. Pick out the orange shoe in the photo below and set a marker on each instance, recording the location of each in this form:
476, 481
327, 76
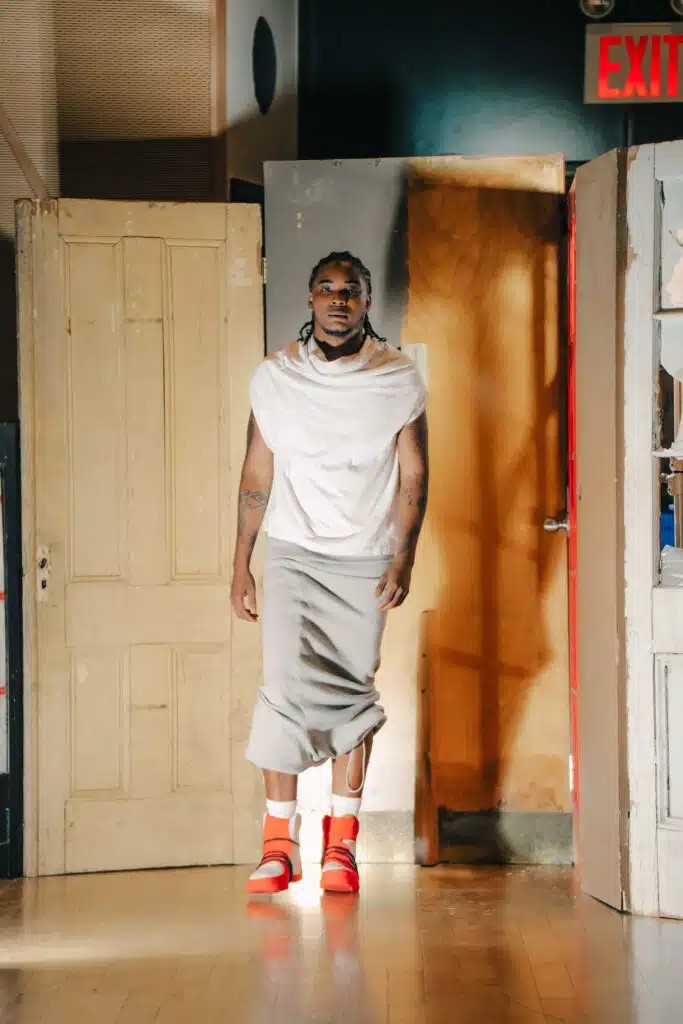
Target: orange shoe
281, 861
340, 872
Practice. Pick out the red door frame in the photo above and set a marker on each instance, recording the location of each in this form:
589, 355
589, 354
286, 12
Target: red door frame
572, 502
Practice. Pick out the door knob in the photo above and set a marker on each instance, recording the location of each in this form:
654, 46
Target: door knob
554, 525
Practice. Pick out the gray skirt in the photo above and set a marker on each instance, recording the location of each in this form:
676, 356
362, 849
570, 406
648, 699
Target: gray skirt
321, 634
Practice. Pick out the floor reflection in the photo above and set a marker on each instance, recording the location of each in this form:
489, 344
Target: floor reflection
450, 945
338, 976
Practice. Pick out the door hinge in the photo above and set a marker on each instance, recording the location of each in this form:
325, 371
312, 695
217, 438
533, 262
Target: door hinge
264, 269
43, 570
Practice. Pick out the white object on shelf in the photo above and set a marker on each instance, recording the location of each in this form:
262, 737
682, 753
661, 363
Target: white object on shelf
676, 449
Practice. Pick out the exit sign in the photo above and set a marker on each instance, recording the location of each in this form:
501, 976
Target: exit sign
639, 63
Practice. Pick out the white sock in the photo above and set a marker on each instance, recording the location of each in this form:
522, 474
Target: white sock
281, 808
343, 805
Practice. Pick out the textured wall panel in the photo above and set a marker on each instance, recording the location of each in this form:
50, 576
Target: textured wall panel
29, 94
27, 88
134, 69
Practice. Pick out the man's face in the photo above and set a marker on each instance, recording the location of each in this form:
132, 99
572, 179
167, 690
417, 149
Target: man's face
339, 301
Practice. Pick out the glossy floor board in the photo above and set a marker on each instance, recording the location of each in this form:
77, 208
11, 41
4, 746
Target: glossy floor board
445, 946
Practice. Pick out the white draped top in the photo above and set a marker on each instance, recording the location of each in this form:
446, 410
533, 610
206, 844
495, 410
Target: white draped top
332, 427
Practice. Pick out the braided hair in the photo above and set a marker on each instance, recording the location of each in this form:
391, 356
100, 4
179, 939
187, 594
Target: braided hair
307, 329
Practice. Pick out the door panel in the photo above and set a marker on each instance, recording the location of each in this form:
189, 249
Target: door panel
662, 195
598, 192
669, 718
464, 257
140, 411
483, 248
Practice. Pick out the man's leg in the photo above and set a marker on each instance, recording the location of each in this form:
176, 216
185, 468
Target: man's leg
281, 860
349, 773
340, 830
280, 786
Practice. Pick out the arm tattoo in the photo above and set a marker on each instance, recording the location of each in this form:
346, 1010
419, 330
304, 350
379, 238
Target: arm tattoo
249, 501
415, 494
409, 539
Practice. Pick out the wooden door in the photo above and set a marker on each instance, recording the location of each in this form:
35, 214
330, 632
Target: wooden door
464, 255
598, 365
572, 509
140, 326
483, 247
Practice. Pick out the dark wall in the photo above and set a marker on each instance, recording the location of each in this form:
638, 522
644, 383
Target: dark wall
399, 78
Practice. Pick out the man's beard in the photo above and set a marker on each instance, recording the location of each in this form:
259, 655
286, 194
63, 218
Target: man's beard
341, 332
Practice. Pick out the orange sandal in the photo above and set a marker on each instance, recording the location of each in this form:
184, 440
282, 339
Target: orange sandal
281, 861
340, 871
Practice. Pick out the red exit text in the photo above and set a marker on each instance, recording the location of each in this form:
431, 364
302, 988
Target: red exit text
634, 64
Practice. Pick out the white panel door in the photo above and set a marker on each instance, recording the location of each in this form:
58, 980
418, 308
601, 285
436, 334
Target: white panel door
140, 327
666, 200
669, 712
653, 388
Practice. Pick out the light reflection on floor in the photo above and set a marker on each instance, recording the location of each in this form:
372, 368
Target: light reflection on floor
446, 946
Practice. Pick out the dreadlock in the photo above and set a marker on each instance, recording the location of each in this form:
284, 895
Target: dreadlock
340, 257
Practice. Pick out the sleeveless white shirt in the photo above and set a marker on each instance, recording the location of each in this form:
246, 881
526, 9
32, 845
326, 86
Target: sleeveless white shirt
332, 428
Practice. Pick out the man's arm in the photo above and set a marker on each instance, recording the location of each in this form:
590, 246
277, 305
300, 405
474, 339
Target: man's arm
255, 486
413, 460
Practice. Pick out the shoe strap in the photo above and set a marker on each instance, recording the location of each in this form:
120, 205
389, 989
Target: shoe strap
342, 854
281, 858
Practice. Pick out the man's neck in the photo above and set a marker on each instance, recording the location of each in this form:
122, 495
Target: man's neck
350, 347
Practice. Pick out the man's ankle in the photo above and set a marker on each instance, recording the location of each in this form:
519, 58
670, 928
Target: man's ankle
281, 808
345, 806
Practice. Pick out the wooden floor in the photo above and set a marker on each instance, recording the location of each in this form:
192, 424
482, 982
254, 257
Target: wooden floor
444, 946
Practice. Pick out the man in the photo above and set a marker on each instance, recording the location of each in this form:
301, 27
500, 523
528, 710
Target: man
337, 453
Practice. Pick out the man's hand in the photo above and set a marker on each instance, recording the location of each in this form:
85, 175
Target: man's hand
394, 586
243, 595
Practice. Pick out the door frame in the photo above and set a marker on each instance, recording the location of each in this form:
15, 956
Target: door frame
11, 828
640, 521
32, 287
